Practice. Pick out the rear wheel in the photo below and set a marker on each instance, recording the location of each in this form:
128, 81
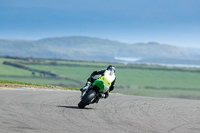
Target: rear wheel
87, 99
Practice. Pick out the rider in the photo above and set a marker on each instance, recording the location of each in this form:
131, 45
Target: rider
109, 73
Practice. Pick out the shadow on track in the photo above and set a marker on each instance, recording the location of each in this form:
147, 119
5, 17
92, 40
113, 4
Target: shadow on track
72, 107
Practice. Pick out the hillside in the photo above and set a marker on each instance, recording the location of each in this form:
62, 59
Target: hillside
96, 49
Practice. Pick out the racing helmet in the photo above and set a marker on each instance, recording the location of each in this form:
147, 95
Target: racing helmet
111, 68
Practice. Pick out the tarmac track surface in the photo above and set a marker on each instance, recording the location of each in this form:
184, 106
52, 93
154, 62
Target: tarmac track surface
25, 111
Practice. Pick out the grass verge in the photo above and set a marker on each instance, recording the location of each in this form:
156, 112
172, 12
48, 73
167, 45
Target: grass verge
6, 83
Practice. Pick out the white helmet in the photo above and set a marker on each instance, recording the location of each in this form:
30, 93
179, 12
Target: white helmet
111, 68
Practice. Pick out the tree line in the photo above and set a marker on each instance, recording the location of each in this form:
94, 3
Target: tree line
42, 72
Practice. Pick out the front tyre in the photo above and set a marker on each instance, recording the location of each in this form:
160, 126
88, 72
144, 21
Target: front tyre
87, 99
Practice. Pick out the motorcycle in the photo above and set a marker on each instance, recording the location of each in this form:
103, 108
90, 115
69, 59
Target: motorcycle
95, 92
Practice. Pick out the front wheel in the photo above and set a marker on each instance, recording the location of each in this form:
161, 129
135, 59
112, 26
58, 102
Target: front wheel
87, 99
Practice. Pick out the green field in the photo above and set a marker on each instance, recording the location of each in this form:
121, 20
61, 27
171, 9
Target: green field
141, 80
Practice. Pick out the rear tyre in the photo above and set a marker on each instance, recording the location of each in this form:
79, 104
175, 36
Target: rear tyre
87, 99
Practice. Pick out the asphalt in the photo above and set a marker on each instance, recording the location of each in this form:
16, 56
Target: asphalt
53, 111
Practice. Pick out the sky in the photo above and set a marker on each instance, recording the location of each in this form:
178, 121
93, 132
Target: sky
173, 22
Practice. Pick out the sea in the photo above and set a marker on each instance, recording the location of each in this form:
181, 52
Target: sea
126, 60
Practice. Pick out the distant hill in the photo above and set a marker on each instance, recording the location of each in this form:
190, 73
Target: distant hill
96, 49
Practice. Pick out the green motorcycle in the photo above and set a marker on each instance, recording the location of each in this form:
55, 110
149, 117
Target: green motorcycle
95, 92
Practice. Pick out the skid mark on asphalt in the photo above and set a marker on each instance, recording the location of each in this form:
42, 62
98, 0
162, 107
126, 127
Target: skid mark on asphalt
57, 111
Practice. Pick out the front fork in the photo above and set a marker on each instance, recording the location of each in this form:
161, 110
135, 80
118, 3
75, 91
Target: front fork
84, 92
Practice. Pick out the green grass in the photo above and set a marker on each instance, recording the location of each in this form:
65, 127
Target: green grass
23, 83
75, 72
155, 78
35, 85
139, 80
8, 70
132, 77
167, 93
